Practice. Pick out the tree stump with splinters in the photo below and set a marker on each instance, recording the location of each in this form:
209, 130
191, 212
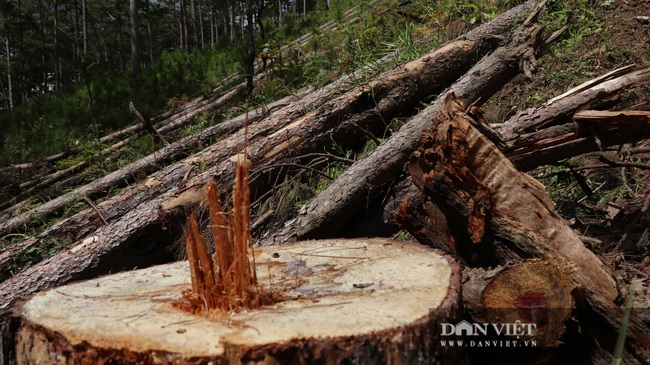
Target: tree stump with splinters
361, 301
367, 301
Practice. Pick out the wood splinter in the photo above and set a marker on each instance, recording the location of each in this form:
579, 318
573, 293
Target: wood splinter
227, 281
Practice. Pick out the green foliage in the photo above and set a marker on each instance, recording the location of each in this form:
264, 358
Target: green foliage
403, 235
51, 123
469, 11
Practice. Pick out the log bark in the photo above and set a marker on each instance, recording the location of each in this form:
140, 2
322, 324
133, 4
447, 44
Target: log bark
328, 213
138, 215
497, 214
329, 302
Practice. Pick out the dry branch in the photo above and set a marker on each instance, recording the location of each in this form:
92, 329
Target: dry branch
146, 123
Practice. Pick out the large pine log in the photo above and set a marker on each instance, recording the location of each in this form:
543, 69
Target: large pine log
147, 209
328, 213
498, 215
85, 222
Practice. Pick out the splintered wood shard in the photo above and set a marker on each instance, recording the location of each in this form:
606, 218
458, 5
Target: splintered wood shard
225, 281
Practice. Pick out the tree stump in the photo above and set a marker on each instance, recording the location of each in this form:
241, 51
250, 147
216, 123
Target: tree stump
361, 301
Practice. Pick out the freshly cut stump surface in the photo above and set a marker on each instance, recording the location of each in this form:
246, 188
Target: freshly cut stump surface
368, 301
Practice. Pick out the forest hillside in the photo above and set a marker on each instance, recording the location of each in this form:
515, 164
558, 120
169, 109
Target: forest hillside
497, 132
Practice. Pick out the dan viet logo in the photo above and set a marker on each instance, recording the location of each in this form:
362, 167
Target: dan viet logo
517, 334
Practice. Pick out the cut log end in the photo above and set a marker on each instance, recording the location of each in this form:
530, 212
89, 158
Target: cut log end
537, 292
341, 300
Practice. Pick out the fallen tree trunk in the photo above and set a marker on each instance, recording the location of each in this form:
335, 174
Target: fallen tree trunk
169, 194
589, 131
328, 213
498, 203
563, 105
565, 135
127, 174
85, 222
498, 215
178, 121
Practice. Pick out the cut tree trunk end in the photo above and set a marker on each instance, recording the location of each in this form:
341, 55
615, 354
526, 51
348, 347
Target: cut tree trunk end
536, 291
337, 300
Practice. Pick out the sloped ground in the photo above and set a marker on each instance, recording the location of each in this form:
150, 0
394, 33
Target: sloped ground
608, 204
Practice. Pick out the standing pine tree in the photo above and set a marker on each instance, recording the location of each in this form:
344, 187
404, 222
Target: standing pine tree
250, 54
135, 43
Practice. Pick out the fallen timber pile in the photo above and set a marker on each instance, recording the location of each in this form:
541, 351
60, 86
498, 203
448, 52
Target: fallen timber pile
481, 204
155, 204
